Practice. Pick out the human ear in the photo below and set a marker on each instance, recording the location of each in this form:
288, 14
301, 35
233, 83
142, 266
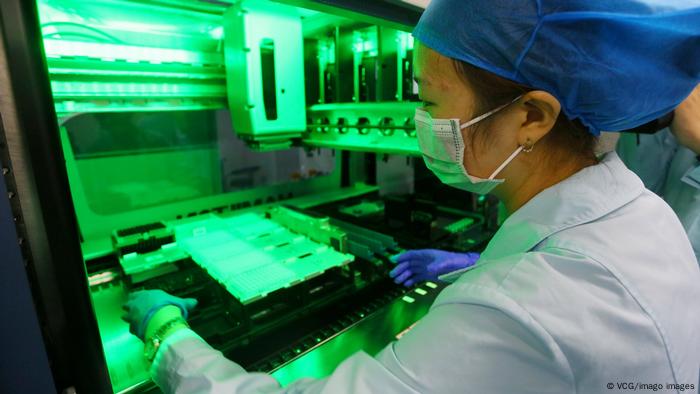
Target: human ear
540, 111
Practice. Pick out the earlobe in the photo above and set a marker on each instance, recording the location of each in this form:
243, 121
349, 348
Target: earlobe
528, 146
542, 111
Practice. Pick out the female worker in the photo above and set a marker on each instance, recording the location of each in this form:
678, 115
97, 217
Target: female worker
675, 175
668, 162
591, 282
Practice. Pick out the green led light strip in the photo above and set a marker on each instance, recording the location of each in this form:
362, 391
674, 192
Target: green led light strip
95, 89
128, 53
144, 74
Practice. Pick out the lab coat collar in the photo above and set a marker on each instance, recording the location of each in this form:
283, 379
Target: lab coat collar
584, 197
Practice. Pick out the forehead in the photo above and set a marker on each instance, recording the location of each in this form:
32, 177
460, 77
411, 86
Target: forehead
431, 68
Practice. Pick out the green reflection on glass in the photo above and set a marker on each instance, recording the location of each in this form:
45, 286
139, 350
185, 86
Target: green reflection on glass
370, 336
123, 351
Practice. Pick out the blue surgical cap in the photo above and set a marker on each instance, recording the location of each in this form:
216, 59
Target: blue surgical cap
613, 64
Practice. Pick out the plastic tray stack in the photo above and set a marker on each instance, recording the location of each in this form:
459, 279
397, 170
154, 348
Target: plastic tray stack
252, 256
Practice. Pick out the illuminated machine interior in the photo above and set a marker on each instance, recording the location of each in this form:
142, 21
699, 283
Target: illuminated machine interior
257, 155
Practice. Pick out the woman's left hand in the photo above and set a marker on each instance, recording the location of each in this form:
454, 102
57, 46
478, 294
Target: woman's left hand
416, 266
142, 305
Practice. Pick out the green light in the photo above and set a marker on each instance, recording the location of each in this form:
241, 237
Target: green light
357, 47
129, 89
261, 265
365, 47
48, 30
123, 351
65, 107
129, 53
326, 49
217, 33
138, 27
406, 43
118, 73
365, 42
322, 360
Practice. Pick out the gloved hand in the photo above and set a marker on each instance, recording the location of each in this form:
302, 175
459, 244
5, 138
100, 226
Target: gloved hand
142, 305
416, 266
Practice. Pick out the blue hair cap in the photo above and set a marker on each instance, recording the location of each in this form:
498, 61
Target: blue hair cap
613, 65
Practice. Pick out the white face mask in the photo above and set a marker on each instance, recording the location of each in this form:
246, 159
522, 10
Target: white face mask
442, 146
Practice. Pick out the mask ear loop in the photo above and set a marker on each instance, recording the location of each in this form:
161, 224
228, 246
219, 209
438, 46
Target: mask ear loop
505, 163
488, 114
521, 148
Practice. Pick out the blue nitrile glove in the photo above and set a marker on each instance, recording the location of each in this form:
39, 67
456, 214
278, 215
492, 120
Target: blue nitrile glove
142, 305
416, 266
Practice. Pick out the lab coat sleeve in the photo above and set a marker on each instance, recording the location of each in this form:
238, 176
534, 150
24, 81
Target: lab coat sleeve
478, 340
185, 363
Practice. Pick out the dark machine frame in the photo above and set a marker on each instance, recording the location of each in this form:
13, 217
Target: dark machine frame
42, 210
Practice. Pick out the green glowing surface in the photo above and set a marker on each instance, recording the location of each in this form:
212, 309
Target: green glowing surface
123, 351
90, 77
316, 229
129, 53
95, 89
217, 33
396, 138
128, 368
144, 266
460, 225
253, 256
326, 51
370, 335
108, 55
264, 57
114, 184
365, 42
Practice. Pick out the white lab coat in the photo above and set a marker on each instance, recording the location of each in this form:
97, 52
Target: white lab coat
592, 282
661, 163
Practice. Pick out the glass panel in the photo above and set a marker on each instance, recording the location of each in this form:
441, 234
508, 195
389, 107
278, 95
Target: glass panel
128, 161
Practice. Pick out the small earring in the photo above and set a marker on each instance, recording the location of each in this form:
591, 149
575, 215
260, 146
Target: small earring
528, 147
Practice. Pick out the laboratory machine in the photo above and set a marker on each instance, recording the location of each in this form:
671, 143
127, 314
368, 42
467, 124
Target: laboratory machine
257, 155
